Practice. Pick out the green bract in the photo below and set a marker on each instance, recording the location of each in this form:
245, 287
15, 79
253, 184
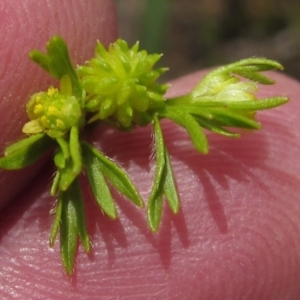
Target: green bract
119, 87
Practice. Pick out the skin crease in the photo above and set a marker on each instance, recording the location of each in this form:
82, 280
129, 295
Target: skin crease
236, 236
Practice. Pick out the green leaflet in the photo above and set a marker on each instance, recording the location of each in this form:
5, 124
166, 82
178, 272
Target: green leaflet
59, 159
260, 104
98, 184
22, 144
155, 200
55, 184
25, 152
248, 68
164, 183
57, 62
199, 107
68, 233
186, 120
72, 225
215, 127
170, 189
118, 177
234, 118
57, 219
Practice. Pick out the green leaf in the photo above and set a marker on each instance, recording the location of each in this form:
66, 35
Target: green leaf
250, 68
43, 60
68, 232
57, 62
215, 127
260, 104
164, 183
67, 176
99, 186
56, 222
233, 118
72, 224
197, 107
222, 78
25, 152
188, 122
22, 144
155, 200
155, 205
55, 184
76, 196
117, 176
170, 189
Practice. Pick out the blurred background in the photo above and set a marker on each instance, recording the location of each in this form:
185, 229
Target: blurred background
196, 34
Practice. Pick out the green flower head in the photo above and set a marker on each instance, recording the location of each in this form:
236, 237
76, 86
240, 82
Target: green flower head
121, 84
52, 112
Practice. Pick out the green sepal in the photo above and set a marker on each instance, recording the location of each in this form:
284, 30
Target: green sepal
164, 183
98, 185
72, 225
25, 152
117, 176
57, 62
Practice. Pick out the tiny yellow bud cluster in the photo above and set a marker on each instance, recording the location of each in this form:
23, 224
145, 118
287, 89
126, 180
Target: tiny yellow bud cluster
52, 112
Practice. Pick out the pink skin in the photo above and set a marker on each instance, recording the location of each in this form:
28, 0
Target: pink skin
236, 236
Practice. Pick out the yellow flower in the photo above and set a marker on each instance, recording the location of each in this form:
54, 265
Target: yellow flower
52, 112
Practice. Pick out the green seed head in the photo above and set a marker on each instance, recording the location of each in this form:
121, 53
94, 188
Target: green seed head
121, 84
52, 112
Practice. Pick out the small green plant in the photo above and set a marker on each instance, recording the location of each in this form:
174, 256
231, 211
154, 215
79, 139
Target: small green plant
119, 87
